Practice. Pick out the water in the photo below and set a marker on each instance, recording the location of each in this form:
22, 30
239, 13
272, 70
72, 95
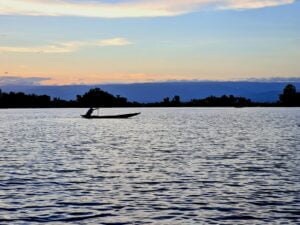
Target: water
166, 166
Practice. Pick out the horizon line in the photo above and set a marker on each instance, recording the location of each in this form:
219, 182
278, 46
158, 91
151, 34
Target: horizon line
35, 81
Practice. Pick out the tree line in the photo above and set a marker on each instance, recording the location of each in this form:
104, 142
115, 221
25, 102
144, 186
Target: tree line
98, 98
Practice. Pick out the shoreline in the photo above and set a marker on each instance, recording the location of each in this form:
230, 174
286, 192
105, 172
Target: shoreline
166, 107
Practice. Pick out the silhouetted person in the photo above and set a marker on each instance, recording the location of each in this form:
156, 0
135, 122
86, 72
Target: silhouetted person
90, 112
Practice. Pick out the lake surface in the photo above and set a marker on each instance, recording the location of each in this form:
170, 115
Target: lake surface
166, 166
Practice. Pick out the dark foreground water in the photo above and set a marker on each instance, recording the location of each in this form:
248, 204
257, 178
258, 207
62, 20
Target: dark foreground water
166, 166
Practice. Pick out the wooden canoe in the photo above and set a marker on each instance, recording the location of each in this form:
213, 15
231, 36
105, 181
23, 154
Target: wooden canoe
121, 116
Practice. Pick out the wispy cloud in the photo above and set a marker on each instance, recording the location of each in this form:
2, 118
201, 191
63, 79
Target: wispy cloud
274, 79
65, 47
254, 4
126, 8
15, 80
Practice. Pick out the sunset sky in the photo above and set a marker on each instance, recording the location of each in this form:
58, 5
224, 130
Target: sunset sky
107, 41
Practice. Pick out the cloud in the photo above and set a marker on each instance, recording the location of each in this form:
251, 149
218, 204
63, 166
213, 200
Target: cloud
65, 47
126, 8
274, 79
14, 80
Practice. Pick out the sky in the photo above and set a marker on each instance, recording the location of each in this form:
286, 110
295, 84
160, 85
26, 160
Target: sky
123, 41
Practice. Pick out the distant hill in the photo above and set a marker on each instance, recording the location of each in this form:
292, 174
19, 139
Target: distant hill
153, 92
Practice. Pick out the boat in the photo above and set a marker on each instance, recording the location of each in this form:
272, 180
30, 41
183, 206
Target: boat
120, 116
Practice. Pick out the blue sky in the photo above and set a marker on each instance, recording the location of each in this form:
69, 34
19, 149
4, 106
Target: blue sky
150, 41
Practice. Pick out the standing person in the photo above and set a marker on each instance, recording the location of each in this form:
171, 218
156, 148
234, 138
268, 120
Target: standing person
89, 112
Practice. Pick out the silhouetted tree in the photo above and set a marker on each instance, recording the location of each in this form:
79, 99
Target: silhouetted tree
221, 101
176, 101
13, 100
99, 98
166, 101
290, 97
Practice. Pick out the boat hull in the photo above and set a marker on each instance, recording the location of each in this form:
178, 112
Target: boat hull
122, 116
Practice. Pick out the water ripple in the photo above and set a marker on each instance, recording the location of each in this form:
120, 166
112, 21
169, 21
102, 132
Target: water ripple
167, 166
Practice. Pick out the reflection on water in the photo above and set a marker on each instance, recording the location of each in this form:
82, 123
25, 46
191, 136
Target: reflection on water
166, 166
